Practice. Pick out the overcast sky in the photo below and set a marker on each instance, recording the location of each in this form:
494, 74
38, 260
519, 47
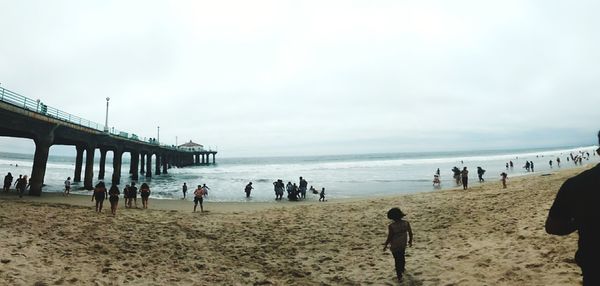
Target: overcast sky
255, 78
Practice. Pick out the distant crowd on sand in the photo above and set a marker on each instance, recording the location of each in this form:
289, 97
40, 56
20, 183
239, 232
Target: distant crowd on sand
461, 177
573, 211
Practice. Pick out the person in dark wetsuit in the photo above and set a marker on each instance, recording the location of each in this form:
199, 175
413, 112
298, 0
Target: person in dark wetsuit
575, 208
8, 179
99, 195
322, 195
145, 194
113, 198
22, 185
126, 195
248, 189
397, 239
133, 194
184, 190
480, 172
464, 174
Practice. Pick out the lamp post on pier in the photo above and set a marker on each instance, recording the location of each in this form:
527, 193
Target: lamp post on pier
158, 135
106, 120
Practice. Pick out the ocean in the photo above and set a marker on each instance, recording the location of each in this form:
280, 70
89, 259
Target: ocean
342, 176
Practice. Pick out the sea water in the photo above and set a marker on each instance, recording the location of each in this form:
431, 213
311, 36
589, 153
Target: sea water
342, 176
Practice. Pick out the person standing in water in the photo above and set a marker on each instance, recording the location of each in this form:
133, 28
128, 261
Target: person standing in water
397, 239
184, 189
67, 186
248, 189
322, 195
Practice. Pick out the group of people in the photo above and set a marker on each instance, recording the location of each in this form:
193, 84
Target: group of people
295, 192
130, 193
21, 184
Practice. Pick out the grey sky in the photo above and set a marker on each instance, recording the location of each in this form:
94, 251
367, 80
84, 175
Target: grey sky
314, 77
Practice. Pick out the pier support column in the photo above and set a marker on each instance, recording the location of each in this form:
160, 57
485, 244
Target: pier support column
78, 163
157, 165
102, 163
135, 160
142, 163
213, 158
164, 163
149, 166
89, 167
203, 162
117, 158
42, 148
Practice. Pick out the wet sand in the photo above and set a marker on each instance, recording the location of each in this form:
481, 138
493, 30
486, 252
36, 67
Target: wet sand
483, 236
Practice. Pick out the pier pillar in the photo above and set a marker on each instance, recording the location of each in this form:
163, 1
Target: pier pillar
102, 163
131, 168
78, 163
196, 158
135, 160
164, 163
89, 167
203, 161
213, 158
157, 165
142, 163
42, 148
117, 158
149, 166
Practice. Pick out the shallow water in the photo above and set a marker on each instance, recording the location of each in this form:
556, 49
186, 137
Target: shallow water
343, 176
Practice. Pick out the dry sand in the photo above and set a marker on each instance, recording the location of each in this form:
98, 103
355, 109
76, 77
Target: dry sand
484, 236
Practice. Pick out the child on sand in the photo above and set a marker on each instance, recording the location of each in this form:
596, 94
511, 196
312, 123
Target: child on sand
397, 239
503, 177
322, 195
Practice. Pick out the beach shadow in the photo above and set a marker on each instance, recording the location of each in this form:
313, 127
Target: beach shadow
409, 280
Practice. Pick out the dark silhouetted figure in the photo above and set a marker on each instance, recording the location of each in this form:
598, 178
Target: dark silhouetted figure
397, 239
575, 208
480, 173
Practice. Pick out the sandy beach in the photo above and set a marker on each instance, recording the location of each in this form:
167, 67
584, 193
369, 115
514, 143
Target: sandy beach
483, 236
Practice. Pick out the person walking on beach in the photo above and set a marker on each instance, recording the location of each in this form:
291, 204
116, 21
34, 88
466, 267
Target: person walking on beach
503, 177
464, 174
558, 162
18, 184
199, 195
133, 194
99, 195
480, 172
550, 162
21, 185
145, 194
184, 189
456, 175
8, 179
248, 189
322, 195
126, 196
113, 198
397, 239
67, 186
575, 208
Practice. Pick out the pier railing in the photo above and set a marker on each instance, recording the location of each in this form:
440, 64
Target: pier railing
40, 107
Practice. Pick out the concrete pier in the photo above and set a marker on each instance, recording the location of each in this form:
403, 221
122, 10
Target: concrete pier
19, 118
